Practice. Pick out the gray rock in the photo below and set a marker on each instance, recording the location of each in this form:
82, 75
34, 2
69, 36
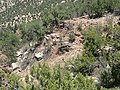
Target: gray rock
39, 55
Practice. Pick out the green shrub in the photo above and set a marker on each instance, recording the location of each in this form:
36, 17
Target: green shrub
9, 43
106, 79
116, 72
71, 37
79, 28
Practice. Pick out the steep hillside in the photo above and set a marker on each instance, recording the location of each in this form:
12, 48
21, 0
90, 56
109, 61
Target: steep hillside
81, 55
60, 45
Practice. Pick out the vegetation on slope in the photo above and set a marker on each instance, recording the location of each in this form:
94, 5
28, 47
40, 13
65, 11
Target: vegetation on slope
67, 9
95, 50
75, 77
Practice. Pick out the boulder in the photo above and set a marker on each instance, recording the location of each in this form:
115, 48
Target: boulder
95, 79
15, 65
77, 34
18, 53
39, 55
108, 48
25, 53
66, 43
53, 35
46, 37
62, 1
54, 41
57, 36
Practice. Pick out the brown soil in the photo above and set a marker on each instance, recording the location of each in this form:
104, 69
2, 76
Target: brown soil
76, 48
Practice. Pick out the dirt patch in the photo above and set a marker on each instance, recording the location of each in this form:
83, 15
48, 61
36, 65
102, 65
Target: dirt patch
85, 22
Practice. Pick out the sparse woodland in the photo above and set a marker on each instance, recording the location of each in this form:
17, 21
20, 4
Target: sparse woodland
101, 45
